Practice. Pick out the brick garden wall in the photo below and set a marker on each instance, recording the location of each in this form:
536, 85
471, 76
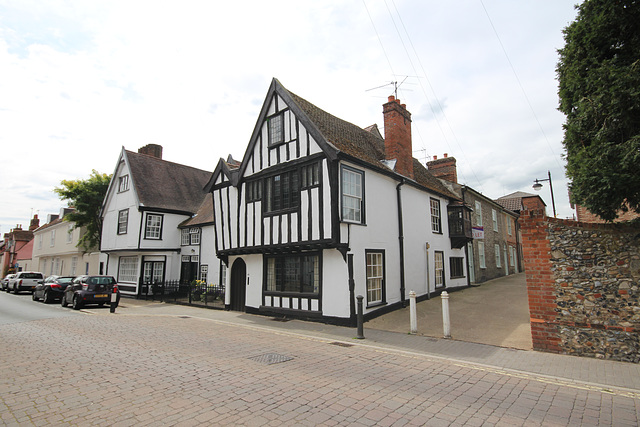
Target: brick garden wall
583, 282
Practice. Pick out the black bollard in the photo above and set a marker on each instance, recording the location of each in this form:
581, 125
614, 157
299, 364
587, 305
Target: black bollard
360, 318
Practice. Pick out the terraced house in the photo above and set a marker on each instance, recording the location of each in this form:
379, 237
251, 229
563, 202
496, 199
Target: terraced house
320, 211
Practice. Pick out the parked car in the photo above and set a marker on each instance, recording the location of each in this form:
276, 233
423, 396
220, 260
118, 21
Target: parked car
5, 281
52, 288
25, 281
85, 290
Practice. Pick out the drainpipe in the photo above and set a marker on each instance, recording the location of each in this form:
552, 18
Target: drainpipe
466, 246
401, 239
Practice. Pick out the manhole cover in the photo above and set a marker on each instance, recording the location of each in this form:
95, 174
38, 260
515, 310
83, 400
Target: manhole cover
341, 344
270, 358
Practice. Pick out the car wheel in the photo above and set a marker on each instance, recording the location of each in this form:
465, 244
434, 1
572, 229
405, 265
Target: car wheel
34, 297
47, 297
15, 289
63, 301
76, 303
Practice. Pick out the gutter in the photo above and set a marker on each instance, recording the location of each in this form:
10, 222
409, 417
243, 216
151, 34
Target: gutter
401, 241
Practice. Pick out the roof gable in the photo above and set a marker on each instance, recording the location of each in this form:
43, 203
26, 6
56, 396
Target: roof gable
338, 138
166, 185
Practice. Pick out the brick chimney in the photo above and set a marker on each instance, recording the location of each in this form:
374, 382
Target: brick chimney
154, 150
444, 168
35, 223
397, 136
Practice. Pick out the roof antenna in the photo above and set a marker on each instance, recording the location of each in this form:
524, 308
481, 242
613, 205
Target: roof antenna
395, 86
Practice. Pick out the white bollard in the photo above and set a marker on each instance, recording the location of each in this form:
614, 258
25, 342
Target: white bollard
446, 323
412, 312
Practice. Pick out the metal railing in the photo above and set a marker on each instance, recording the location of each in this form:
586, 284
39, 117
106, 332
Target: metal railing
175, 291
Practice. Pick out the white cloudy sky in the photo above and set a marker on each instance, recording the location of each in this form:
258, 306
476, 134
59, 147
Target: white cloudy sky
81, 79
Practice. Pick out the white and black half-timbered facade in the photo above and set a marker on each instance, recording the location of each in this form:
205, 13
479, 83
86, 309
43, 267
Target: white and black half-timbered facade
320, 210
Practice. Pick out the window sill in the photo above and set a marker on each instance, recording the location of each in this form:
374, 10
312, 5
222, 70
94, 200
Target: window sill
377, 304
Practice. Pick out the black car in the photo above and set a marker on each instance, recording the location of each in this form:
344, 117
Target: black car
52, 288
90, 290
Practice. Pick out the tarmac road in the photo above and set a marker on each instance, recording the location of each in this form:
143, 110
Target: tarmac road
495, 312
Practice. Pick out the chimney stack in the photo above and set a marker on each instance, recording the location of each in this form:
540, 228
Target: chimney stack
154, 150
397, 136
35, 223
444, 168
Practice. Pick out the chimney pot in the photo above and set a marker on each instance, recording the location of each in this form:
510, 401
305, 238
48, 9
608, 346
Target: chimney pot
435, 157
445, 155
391, 98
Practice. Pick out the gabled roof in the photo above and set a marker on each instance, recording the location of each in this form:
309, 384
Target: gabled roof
166, 185
339, 138
513, 201
204, 215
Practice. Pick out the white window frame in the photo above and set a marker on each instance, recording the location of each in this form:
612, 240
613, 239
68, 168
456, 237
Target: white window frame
153, 227
509, 225
375, 276
128, 269
436, 217
352, 189
53, 238
123, 183
478, 214
481, 255
74, 265
438, 262
494, 217
184, 237
194, 235
204, 273
70, 233
123, 221
496, 248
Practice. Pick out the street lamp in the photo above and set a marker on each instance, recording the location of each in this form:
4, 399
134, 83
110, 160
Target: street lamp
537, 186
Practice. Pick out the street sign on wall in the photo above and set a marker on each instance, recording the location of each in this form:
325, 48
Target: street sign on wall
478, 232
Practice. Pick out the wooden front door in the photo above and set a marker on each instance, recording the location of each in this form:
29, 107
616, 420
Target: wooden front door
238, 285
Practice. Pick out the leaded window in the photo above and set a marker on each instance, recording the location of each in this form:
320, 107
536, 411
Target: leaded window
276, 129
123, 221
283, 192
293, 273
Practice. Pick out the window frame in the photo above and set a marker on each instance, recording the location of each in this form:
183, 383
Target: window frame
482, 259
291, 197
438, 260
359, 198
123, 183
456, 267
310, 176
479, 214
494, 218
272, 131
381, 277
253, 191
120, 222
496, 248
275, 285
435, 215
148, 229
130, 276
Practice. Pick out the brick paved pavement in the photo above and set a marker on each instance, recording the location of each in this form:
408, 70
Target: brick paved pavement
144, 366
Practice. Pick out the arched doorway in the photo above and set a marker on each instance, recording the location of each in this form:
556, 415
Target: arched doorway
238, 284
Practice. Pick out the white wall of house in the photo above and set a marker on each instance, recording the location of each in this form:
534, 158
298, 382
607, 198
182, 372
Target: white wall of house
55, 251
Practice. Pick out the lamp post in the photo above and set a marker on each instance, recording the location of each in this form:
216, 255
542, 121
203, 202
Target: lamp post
537, 186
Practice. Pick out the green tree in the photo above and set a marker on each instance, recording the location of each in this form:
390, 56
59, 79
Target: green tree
86, 197
599, 90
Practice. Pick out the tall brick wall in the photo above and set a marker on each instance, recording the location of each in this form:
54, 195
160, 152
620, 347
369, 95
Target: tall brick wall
583, 282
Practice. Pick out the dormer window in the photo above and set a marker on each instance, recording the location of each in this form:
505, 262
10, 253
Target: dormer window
276, 129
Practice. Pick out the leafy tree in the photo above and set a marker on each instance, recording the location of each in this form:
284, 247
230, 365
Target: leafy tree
86, 197
599, 90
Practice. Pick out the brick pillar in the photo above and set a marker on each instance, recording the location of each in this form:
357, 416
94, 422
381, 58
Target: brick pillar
540, 281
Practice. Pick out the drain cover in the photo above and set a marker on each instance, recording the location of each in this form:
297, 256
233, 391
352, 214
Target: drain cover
270, 358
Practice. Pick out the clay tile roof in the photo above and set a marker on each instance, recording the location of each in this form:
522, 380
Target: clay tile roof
167, 185
363, 144
204, 215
